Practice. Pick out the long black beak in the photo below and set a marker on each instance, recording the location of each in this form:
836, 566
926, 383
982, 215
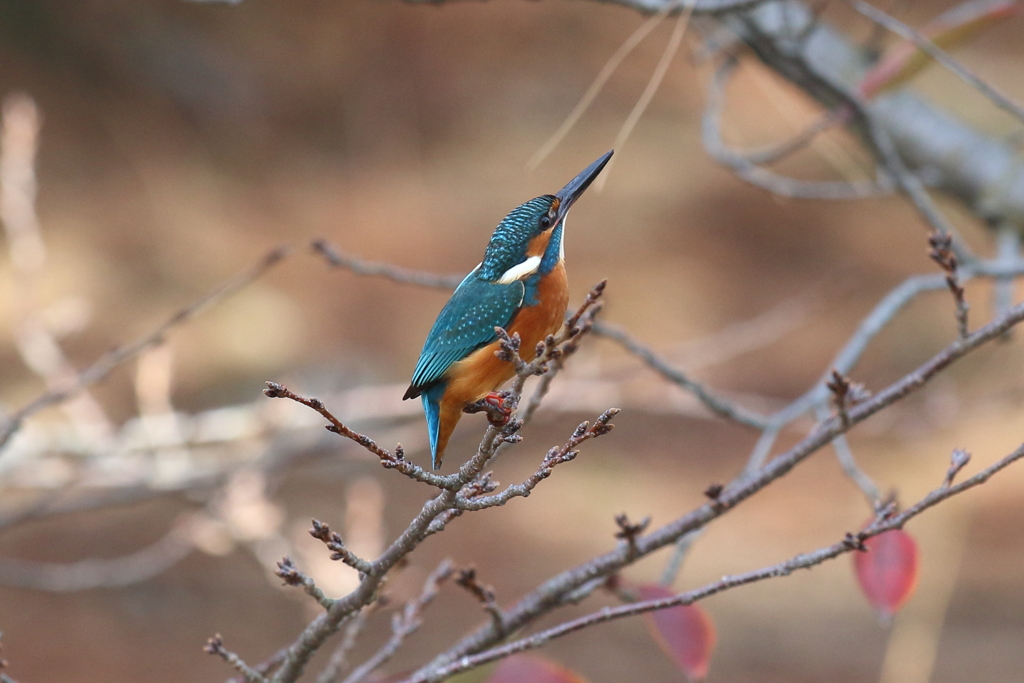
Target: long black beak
571, 192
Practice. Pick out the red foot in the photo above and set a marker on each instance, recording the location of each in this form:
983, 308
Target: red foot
494, 405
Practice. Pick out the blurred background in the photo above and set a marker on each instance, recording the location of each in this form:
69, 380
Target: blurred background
180, 142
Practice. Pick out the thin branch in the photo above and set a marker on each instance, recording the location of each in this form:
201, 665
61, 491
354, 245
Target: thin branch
110, 360
337, 259
652, 86
852, 542
942, 254
389, 460
773, 153
746, 169
716, 404
708, 7
554, 457
37, 345
98, 573
1008, 250
925, 44
290, 574
844, 454
467, 483
337, 664
550, 593
679, 552
215, 646
406, 623
595, 88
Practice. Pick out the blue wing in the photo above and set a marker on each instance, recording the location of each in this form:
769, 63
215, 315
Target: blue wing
465, 324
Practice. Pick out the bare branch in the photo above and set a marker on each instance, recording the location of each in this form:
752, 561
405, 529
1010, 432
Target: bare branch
549, 594
844, 454
716, 404
405, 624
958, 461
747, 167
37, 346
942, 254
337, 259
290, 574
851, 543
337, 663
598, 84
556, 456
215, 646
699, 7
99, 573
332, 540
938, 54
467, 484
652, 84
110, 360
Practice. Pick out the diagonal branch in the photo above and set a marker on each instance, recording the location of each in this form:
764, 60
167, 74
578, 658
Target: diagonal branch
110, 360
926, 45
716, 404
550, 594
851, 543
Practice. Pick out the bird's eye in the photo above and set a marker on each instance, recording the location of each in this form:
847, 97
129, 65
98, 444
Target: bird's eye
545, 222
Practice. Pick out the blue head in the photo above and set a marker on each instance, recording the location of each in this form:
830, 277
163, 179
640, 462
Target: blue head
529, 239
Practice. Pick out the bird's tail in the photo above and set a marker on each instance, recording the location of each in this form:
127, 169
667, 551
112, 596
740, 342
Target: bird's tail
441, 420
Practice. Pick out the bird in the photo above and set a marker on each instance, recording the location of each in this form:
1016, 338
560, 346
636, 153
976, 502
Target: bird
519, 286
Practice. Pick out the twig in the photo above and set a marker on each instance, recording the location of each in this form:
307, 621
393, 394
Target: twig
938, 54
682, 547
484, 594
290, 574
595, 88
215, 646
772, 153
629, 531
337, 259
851, 543
942, 254
336, 665
751, 172
98, 573
37, 346
844, 454
332, 540
554, 457
1008, 249
457, 490
957, 461
716, 404
388, 459
405, 624
110, 360
539, 602
682, 21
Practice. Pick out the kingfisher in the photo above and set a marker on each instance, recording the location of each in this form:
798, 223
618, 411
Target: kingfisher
519, 286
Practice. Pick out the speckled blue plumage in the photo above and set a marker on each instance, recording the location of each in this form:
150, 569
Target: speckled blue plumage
512, 236
481, 303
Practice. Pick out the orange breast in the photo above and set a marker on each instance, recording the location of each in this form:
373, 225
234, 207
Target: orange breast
473, 377
481, 372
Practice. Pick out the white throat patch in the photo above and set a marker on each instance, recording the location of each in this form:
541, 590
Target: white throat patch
561, 240
520, 271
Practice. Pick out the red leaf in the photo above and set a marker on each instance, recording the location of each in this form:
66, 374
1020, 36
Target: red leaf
887, 572
685, 633
532, 669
